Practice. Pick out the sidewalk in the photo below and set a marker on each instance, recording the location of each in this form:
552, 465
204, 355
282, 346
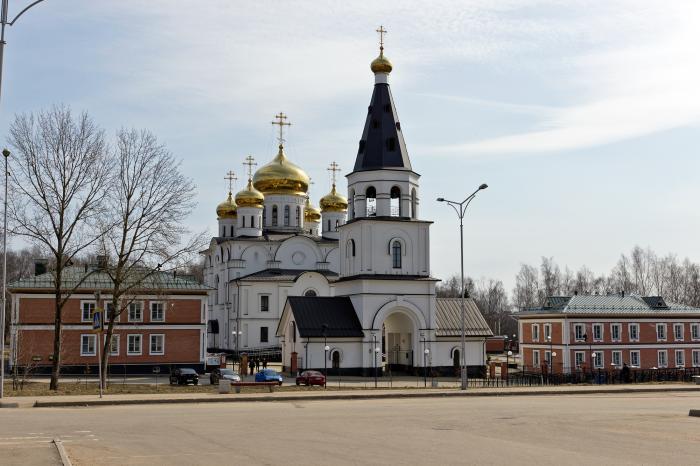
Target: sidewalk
320, 394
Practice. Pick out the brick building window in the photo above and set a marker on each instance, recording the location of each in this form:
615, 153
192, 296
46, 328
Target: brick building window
616, 332
662, 358
696, 358
661, 332
114, 345
133, 347
87, 345
157, 345
87, 308
157, 312
547, 331
634, 358
535, 333
680, 358
597, 332
695, 331
579, 331
579, 358
634, 332
598, 362
263, 335
535, 358
617, 358
678, 332
135, 312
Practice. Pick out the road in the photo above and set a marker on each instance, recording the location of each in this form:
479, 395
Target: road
543, 430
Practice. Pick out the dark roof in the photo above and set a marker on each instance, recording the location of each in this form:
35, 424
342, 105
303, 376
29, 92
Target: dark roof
283, 275
382, 144
387, 276
448, 318
336, 313
609, 304
92, 279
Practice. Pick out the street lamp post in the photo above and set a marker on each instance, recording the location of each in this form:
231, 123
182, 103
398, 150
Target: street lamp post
237, 334
461, 208
6, 153
374, 357
425, 366
508, 355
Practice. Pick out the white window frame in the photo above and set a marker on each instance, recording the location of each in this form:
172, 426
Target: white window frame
128, 311
82, 309
548, 357
115, 338
150, 344
639, 361
547, 331
150, 306
134, 353
598, 363
582, 327
602, 332
658, 358
619, 332
617, 361
578, 363
677, 326
695, 331
696, 357
629, 331
665, 336
90, 336
676, 353
105, 305
535, 332
536, 362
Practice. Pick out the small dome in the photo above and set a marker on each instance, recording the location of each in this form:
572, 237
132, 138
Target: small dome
311, 212
333, 202
281, 177
226, 209
381, 64
250, 197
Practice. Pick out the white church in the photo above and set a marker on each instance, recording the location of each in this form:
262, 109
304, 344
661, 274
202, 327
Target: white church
346, 287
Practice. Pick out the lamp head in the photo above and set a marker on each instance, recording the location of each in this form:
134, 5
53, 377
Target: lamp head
483, 186
441, 199
6, 153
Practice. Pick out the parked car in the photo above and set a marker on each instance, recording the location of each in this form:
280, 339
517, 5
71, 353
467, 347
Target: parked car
226, 374
184, 376
311, 378
268, 375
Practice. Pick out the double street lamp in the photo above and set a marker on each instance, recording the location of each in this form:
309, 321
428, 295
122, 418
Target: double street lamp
460, 208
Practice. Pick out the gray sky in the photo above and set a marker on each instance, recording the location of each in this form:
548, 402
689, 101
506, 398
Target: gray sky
582, 116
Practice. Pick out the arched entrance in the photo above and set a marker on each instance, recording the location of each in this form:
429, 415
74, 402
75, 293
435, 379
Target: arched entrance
456, 361
398, 341
335, 360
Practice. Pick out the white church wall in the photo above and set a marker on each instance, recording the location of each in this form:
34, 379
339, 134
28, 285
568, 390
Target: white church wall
298, 252
442, 351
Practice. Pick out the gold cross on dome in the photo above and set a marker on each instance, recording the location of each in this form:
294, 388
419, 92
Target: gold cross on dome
381, 32
334, 167
281, 123
250, 162
231, 177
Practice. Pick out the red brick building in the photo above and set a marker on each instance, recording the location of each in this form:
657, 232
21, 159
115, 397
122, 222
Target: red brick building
164, 324
577, 333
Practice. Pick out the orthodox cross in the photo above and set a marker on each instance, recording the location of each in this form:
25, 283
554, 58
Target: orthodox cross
381, 32
231, 177
250, 161
281, 123
334, 167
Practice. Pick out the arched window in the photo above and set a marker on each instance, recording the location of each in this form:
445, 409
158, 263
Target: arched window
329, 225
351, 205
244, 221
264, 216
337, 224
335, 358
252, 221
414, 214
395, 206
298, 218
223, 231
286, 215
352, 247
371, 196
217, 290
455, 359
274, 215
232, 230
310, 293
396, 255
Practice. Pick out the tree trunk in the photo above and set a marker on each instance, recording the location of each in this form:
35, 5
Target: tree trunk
57, 327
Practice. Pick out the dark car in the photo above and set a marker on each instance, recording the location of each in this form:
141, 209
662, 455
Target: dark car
184, 376
268, 375
226, 374
311, 378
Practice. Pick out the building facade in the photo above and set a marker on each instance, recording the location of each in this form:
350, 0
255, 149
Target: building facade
164, 324
580, 333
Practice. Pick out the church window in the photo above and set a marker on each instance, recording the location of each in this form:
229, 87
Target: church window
337, 224
329, 225
414, 214
371, 196
391, 144
286, 215
351, 247
244, 221
264, 216
396, 255
274, 215
310, 293
298, 218
395, 205
252, 221
223, 231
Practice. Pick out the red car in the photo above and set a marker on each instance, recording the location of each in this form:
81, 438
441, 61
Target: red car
311, 378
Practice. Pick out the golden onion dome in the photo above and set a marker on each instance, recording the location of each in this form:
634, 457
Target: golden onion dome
381, 64
281, 177
226, 209
250, 197
333, 202
311, 212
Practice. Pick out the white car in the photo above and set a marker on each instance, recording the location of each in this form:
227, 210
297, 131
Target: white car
226, 374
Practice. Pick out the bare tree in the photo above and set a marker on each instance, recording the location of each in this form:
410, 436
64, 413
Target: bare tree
551, 277
149, 201
492, 299
59, 171
527, 287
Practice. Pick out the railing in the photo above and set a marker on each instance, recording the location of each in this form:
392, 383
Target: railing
597, 376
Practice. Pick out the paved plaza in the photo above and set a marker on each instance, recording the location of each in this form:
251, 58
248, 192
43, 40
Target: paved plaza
651, 428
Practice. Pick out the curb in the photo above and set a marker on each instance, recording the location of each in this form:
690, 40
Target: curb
694, 413
346, 396
62, 452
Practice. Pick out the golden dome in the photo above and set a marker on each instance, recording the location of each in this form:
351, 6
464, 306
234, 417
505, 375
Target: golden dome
226, 209
333, 202
281, 177
250, 197
381, 64
311, 213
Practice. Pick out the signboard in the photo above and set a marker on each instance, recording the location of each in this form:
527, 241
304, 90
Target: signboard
97, 320
156, 370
